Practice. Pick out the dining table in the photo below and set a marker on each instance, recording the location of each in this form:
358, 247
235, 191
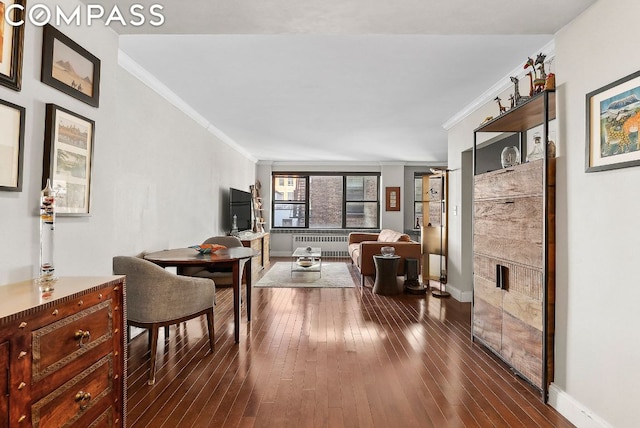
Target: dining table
234, 258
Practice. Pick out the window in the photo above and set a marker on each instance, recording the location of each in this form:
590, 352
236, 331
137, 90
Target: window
326, 200
290, 202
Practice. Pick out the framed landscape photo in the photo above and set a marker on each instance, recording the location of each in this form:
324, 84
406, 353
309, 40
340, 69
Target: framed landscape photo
11, 43
69, 67
68, 154
613, 120
11, 146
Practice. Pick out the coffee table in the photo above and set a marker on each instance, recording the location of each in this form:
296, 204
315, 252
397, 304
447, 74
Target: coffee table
301, 254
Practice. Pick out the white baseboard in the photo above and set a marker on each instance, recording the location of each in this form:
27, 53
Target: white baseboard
574, 411
460, 296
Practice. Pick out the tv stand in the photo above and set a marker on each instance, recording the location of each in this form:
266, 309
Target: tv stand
260, 242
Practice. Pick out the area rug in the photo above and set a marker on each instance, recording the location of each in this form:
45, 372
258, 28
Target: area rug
334, 275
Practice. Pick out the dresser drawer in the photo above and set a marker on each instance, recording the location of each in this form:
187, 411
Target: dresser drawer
90, 389
62, 342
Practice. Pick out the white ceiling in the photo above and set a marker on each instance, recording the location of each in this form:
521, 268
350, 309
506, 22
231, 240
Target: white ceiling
334, 80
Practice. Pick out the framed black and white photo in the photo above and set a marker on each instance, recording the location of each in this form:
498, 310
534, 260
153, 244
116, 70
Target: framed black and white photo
69, 67
68, 154
11, 43
11, 146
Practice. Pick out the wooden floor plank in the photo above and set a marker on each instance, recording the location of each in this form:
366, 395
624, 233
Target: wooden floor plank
331, 358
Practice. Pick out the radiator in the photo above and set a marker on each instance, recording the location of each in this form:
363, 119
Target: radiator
331, 245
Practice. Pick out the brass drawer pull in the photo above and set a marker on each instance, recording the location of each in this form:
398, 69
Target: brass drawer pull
83, 398
81, 335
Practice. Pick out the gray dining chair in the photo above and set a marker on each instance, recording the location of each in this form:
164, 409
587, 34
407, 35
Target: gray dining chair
158, 298
222, 277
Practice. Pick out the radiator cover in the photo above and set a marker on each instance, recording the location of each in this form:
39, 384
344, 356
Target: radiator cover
331, 245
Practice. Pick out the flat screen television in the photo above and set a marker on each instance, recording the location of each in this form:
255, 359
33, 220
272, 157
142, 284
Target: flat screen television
240, 206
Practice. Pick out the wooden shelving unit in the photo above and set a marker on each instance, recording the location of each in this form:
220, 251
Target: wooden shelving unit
434, 232
258, 210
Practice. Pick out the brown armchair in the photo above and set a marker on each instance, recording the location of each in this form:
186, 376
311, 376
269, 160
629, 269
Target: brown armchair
158, 298
363, 246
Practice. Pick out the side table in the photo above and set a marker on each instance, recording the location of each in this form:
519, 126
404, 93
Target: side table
386, 282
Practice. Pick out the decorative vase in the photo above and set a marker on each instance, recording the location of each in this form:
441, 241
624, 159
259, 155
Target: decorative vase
536, 150
510, 156
47, 227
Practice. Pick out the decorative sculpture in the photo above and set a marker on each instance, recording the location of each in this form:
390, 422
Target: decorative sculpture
539, 74
517, 98
500, 106
47, 226
516, 90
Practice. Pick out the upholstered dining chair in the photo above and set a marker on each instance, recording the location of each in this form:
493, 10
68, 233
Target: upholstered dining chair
220, 277
158, 298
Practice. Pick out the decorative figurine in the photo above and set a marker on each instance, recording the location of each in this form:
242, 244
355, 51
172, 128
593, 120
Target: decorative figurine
511, 101
500, 106
538, 81
517, 98
516, 90
531, 91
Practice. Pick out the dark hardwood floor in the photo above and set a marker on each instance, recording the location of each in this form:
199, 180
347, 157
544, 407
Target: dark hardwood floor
331, 358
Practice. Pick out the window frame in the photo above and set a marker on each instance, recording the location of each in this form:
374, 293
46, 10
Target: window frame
307, 177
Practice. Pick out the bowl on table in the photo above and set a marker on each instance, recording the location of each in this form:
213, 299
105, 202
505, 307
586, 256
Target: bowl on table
208, 248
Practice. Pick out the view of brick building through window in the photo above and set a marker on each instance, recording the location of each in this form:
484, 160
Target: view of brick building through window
329, 207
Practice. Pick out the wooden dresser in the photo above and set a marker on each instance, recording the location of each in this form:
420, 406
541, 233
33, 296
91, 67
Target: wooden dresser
62, 354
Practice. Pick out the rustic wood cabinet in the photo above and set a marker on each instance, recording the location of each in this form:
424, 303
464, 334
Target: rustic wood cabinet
514, 252
63, 353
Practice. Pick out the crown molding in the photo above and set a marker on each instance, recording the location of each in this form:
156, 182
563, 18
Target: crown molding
139, 72
502, 85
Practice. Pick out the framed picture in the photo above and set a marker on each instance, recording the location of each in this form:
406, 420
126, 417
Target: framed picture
11, 146
392, 199
11, 43
69, 67
613, 119
68, 153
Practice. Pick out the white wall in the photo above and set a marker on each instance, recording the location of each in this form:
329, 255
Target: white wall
597, 346
392, 175
597, 317
157, 177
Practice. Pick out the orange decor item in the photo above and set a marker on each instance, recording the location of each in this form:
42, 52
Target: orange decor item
208, 248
